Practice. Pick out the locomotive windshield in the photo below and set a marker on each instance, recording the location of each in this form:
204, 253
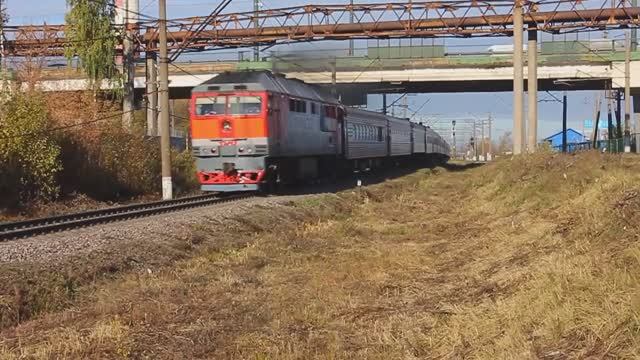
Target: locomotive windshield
243, 105
229, 105
212, 105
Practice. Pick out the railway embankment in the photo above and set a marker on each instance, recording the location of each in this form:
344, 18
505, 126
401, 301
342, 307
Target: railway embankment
535, 257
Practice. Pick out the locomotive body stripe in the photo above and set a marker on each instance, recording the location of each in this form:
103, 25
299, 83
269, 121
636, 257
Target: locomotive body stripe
241, 127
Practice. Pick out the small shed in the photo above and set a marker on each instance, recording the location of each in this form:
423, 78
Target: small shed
573, 137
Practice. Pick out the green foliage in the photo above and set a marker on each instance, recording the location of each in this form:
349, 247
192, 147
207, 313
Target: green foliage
184, 172
29, 153
4, 17
93, 39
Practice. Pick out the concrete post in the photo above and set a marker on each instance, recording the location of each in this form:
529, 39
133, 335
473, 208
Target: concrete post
129, 11
152, 94
532, 91
165, 141
518, 86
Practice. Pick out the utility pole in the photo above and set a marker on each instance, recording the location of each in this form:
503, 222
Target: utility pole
532, 91
610, 128
405, 106
564, 122
384, 104
152, 92
256, 24
130, 19
165, 144
597, 121
482, 147
518, 86
475, 142
334, 91
627, 94
634, 31
3, 67
351, 22
453, 136
490, 137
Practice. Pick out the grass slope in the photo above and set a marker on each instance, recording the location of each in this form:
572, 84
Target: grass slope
531, 258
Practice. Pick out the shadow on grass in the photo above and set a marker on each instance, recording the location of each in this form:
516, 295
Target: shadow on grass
461, 167
368, 178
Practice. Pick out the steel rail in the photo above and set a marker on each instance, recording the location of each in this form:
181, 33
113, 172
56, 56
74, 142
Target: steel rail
28, 228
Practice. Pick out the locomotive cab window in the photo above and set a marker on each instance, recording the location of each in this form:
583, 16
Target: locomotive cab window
214, 105
245, 105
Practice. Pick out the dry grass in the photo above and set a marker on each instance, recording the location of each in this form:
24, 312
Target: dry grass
516, 260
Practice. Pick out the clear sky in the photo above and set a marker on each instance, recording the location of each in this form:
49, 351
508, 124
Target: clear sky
442, 105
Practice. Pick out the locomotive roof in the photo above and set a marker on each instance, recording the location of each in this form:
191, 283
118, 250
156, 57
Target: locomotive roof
264, 81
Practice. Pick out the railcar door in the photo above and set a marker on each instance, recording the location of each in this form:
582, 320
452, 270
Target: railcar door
340, 133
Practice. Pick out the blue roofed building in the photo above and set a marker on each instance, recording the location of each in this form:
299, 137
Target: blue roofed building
573, 137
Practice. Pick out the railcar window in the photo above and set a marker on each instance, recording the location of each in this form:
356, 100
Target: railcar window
210, 105
314, 108
297, 105
245, 105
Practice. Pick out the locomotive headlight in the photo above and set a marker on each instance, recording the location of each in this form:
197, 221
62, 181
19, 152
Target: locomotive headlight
226, 126
241, 149
214, 150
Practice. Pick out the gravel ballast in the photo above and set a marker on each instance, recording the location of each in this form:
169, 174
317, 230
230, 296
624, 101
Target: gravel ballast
79, 242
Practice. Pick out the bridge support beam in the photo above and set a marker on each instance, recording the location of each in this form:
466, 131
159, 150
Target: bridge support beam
532, 89
518, 80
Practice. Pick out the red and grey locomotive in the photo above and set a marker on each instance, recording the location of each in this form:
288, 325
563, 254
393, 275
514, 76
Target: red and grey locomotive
253, 128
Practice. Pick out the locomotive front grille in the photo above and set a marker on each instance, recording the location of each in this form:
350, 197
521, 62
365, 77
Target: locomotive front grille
261, 149
230, 150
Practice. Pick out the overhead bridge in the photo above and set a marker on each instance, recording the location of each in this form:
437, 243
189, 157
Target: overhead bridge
379, 72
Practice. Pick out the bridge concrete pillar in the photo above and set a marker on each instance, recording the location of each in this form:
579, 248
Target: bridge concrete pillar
532, 88
518, 80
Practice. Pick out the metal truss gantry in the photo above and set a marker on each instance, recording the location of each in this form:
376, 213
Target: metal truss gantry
425, 19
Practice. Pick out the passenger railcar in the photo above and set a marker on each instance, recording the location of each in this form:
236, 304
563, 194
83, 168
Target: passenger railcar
255, 128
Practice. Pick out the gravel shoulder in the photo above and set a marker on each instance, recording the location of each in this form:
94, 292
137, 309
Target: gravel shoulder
156, 228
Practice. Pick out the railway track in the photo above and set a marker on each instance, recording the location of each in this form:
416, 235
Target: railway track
28, 228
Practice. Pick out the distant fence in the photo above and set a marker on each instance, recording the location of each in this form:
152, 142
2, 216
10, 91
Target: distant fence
612, 145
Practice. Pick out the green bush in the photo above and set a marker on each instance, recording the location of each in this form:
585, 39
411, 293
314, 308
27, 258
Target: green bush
29, 153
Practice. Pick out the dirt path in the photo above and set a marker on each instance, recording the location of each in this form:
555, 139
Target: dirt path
515, 260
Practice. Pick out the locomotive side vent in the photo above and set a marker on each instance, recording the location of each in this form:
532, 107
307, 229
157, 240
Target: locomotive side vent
240, 87
213, 87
